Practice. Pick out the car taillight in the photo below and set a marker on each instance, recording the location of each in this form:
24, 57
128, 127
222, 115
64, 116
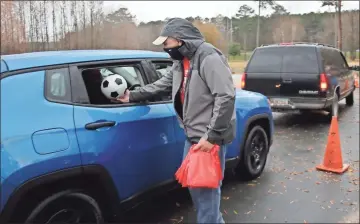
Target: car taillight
242, 84
323, 82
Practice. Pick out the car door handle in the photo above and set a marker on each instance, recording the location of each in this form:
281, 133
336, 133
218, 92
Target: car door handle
101, 124
287, 80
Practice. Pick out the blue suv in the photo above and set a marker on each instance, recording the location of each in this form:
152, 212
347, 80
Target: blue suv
69, 154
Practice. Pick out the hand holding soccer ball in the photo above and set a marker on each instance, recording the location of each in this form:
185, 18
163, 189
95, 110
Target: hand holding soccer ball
125, 98
114, 87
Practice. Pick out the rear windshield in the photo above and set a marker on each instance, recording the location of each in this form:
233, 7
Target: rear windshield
284, 59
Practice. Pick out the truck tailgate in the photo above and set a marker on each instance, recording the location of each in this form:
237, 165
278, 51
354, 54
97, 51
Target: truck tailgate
300, 72
284, 71
263, 72
300, 85
267, 84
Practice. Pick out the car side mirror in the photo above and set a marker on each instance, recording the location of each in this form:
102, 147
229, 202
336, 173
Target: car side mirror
355, 68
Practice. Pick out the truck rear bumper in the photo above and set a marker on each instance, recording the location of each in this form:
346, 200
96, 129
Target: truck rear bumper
302, 103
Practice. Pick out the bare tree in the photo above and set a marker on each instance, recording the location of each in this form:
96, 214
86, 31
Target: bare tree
84, 41
54, 24
12, 26
245, 12
75, 23
37, 14
31, 28
340, 25
337, 27
92, 12
46, 24
262, 4
20, 5
352, 42
41, 17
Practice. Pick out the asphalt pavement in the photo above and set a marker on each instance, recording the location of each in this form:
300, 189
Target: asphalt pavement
290, 189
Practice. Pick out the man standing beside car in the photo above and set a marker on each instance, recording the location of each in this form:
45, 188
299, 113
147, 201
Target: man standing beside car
204, 99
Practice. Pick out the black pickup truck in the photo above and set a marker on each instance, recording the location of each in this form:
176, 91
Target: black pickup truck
300, 76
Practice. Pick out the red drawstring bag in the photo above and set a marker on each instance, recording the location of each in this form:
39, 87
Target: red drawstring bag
200, 169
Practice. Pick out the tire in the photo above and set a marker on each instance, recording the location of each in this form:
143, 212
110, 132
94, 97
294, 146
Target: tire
67, 207
350, 99
253, 155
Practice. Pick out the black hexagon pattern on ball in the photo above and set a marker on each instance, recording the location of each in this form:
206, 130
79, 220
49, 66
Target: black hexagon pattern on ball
114, 94
118, 81
105, 83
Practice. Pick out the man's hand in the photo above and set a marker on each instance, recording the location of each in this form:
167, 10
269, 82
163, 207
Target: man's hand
125, 98
204, 145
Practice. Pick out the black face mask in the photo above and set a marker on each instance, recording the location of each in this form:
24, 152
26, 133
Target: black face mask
174, 53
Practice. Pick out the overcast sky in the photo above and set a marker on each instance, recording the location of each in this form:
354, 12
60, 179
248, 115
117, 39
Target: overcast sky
158, 10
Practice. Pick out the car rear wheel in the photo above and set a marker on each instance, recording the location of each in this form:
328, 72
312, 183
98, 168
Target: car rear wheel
254, 154
350, 99
67, 207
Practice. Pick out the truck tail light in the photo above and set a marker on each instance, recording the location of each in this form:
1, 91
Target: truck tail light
323, 82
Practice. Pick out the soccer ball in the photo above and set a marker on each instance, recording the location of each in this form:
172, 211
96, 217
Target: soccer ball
113, 86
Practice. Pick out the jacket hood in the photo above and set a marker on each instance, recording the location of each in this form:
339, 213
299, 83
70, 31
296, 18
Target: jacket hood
184, 30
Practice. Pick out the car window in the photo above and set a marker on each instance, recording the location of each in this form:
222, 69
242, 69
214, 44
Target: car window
265, 60
300, 60
341, 63
327, 59
93, 78
162, 68
131, 74
332, 60
57, 85
284, 59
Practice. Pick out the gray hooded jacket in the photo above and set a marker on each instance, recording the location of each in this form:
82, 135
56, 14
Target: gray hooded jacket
209, 105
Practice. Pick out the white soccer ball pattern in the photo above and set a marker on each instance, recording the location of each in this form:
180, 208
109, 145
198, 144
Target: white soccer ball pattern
113, 86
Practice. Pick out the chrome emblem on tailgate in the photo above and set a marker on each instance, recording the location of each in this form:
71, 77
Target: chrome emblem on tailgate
308, 92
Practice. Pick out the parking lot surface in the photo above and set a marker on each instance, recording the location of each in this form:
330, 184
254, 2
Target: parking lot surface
290, 189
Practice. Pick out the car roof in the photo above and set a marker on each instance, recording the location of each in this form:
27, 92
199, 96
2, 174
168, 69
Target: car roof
48, 58
283, 46
298, 44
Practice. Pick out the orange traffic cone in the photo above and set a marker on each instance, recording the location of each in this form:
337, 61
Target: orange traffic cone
333, 158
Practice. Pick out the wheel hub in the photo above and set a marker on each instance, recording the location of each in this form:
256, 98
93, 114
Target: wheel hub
257, 148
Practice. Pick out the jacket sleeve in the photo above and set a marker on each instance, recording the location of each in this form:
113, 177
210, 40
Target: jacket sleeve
217, 75
160, 87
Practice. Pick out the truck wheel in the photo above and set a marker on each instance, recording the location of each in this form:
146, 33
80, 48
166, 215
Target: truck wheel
350, 99
67, 207
254, 154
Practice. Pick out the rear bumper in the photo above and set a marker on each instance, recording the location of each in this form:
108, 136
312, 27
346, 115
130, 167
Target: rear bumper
302, 103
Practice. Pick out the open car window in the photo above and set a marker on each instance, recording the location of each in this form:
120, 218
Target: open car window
162, 68
93, 78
